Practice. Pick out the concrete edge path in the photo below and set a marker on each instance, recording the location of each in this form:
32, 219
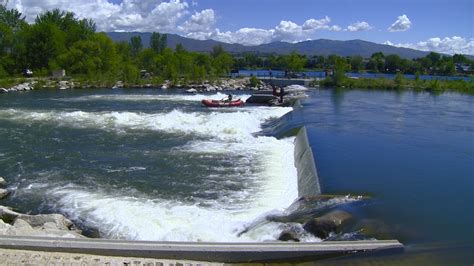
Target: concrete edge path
195, 251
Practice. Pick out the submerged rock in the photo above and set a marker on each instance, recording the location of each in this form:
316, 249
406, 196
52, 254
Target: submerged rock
3, 193
3, 182
191, 91
290, 234
332, 222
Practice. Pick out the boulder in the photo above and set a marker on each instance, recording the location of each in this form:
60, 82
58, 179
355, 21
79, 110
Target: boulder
191, 91
3, 90
332, 222
3, 193
289, 235
7, 214
3, 182
39, 220
55, 225
375, 229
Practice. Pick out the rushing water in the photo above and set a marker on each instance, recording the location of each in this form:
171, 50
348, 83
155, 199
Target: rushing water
151, 164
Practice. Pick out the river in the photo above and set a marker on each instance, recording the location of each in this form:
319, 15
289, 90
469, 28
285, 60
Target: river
156, 165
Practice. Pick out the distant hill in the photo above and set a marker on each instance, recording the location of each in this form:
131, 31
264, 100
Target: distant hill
316, 47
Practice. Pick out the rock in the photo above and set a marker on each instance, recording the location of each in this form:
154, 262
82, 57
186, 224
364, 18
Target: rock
2, 181
3, 90
191, 91
21, 224
39, 220
7, 215
118, 84
3, 193
55, 225
289, 235
323, 226
375, 229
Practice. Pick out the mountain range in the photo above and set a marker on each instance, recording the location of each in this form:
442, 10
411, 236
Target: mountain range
322, 47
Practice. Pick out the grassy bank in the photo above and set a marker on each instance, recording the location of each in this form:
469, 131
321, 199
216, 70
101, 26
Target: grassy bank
399, 83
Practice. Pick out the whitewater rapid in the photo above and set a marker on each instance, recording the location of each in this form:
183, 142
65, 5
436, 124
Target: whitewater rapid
218, 132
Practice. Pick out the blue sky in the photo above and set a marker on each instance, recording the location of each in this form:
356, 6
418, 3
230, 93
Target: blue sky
436, 25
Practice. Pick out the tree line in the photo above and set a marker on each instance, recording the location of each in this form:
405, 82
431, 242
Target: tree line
432, 64
59, 40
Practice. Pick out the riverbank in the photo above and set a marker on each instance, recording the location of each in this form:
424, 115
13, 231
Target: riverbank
399, 83
223, 84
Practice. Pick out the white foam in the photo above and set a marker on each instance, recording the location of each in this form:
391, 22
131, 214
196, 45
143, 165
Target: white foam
224, 131
154, 97
119, 216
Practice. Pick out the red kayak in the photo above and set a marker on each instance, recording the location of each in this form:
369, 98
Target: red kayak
217, 103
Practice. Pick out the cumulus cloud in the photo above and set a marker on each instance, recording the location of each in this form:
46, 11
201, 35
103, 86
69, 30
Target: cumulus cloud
401, 24
245, 36
199, 22
447, 45
172, 16
130, 15
359, 26
286, 31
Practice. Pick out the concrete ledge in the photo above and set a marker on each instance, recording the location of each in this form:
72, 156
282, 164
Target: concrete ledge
308, 180
212, 252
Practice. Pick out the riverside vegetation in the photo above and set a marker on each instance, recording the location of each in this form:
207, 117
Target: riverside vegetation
59, 40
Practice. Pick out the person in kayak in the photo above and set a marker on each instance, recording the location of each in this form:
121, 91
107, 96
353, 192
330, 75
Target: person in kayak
228, 99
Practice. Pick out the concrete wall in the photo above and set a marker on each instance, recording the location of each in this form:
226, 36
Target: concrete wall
308, 180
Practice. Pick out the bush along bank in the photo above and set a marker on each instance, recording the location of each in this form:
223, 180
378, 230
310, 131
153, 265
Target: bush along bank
398, 83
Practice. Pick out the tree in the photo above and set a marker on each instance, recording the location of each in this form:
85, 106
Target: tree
377, 62
44, 42
340, 68
12, 18
67, 22
135, 45
392, 63
158, 42
357, 63
295, 62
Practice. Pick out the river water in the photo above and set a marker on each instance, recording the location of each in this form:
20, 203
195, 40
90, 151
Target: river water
156, 165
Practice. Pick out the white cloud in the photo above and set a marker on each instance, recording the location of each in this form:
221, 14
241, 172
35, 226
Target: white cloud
359, 26
447, 45
199, 22
401, 24
286, 31
316, 24
245, 36
130, 15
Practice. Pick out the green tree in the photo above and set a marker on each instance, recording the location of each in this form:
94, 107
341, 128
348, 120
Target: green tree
295, 62
44, 43
340, 68
357, 63
393, 63
12, 18
158, 42
135, 45
74, 28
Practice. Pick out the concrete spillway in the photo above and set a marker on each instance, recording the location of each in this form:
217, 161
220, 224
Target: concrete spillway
213, 252
308, 180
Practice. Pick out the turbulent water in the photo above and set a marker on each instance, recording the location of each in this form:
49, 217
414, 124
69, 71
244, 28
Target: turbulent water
146, 166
